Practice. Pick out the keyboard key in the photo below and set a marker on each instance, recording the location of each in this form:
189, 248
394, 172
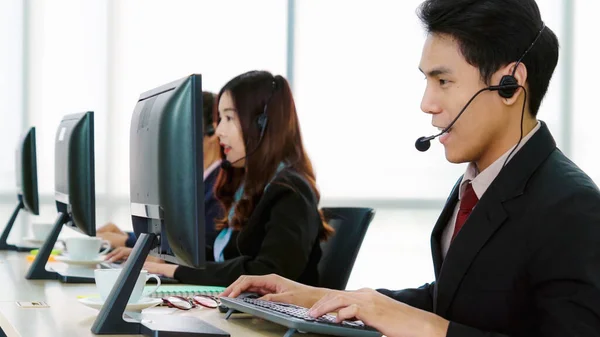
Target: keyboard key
302, 313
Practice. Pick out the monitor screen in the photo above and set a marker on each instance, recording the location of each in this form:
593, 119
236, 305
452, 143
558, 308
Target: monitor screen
26, 170
74, 171
166, 170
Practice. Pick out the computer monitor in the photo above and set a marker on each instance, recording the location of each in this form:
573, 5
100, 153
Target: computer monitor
167, 205
27, 189
74, 188
74, 178
166, 170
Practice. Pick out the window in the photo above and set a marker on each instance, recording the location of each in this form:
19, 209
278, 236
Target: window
11, 91
161, 41
358, 93
586, 118
67, 74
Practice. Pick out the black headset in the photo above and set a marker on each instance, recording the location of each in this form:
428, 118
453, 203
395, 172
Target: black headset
263, 118
508, 83
261, 121
506, 89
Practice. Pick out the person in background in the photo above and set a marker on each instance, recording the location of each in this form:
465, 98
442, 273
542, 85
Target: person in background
123, 241
267, 186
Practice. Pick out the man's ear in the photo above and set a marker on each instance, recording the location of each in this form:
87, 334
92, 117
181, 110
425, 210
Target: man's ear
520, 74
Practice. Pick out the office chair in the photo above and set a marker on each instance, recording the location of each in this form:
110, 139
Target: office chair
340, 251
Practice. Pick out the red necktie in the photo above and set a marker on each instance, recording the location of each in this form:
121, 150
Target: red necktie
467, 203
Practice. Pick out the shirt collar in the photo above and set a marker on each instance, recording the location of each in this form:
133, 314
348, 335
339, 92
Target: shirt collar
482, 180
211, 168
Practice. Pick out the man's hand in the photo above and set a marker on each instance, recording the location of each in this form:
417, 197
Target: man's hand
116, 239
276, 288
388, 316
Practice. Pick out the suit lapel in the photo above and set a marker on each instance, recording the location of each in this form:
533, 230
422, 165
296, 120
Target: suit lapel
440, 225
436, 235
487, 217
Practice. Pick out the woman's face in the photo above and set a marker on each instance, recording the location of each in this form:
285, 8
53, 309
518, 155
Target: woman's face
229, 131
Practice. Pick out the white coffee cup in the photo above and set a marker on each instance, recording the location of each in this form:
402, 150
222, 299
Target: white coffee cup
106, 279
41, 231
86, 248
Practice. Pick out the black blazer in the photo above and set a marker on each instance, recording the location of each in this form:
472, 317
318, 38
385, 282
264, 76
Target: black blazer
212, 209
281, 237
527, 260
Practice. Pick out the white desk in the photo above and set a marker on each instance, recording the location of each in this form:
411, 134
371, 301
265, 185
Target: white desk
67, 317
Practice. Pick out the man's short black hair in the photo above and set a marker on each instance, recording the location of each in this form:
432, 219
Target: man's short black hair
494, 33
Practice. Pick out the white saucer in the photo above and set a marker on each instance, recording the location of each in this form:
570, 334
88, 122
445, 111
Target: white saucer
33, 240
144, 303
68, 260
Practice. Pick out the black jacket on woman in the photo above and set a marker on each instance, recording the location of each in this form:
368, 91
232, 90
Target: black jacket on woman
281, 237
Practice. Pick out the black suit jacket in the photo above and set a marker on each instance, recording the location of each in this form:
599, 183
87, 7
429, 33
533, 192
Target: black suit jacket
527, 260
212, 209
281, 237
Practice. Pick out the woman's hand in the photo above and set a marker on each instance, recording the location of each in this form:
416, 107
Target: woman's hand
118, 254
165, 269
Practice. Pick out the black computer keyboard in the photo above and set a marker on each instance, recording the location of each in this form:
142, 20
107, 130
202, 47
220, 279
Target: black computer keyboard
297, 318
302, 313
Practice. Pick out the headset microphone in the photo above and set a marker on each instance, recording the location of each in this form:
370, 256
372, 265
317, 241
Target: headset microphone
506, 89
508, 86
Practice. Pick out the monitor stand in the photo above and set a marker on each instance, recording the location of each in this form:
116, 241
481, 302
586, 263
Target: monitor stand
73, 275
21, 248
37, 270
86, 275
110, 320
3, 244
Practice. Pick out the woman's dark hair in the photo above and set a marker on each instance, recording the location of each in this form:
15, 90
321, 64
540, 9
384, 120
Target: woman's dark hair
281, 143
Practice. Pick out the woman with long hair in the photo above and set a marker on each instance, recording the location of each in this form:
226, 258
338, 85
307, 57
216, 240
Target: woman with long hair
267, 187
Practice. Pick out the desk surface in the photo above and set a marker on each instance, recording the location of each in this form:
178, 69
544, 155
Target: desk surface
67, 317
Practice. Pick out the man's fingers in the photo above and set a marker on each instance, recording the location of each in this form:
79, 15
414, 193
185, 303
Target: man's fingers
227, 292
259, 284
330, 303
285, 297
350, 312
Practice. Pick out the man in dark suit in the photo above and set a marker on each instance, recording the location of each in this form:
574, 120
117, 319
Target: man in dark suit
516, 250
212, 208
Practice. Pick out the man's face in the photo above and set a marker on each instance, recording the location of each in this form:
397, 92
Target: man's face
451, 82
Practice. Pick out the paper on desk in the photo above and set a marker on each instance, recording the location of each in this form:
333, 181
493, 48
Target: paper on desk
87, 296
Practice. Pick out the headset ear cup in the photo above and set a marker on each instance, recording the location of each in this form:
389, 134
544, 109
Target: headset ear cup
262, 121
210, 130
507, 80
